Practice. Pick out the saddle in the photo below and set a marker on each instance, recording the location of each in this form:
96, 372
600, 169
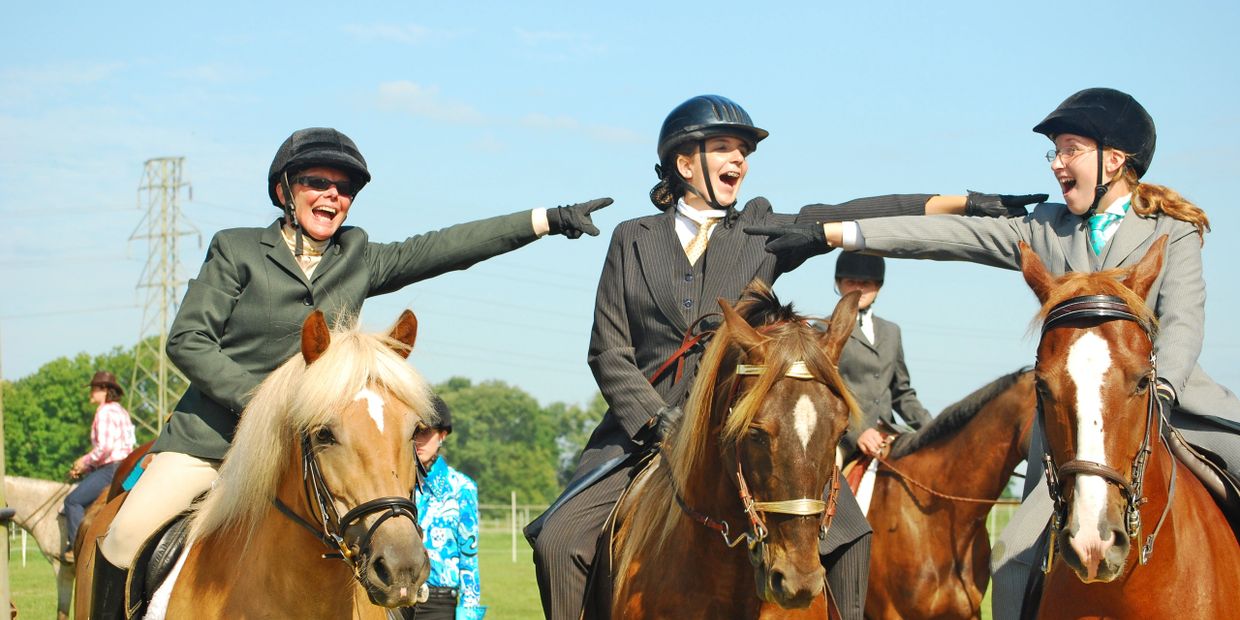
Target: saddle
154, 562
1222, 487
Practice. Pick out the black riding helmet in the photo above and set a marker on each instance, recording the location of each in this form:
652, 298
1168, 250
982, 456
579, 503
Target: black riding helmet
854, 266
316, 146
696, 120
443, 414
1113, 119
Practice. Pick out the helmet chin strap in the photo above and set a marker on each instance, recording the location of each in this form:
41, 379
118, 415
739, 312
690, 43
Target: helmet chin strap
711, 201
290, 213
1100, 189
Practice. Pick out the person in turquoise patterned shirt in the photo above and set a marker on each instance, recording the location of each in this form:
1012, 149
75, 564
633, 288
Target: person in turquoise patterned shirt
448, 513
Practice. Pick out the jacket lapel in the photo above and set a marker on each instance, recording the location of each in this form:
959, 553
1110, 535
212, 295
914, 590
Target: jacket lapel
1073, 236
859, 336
739, 263
278, 252
1133, 231
661, 258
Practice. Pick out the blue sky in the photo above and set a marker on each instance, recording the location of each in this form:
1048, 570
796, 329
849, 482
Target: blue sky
466, 110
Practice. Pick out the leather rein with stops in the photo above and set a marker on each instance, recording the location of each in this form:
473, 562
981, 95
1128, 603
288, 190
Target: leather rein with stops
757, 532
1107, 308
329, 527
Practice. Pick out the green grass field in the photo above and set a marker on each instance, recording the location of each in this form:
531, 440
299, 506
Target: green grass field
509, 589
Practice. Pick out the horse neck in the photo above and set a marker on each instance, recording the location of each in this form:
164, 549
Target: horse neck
37, 503
978, 459
711, 488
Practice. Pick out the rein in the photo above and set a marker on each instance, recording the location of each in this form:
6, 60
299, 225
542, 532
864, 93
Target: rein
1107, 308
917, 483
328, 526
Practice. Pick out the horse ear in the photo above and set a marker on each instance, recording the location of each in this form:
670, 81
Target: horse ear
744, 333
405, 331
840, 326
1143, 274
314, 337
1036, 275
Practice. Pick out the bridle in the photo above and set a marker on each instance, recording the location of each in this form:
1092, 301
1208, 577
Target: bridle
329, 527
757, 532
1106, 308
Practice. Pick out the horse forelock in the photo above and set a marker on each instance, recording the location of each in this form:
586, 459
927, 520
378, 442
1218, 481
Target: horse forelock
293, 400
1073, 284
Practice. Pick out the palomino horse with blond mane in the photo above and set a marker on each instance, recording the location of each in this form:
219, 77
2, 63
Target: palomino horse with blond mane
1136, 534
312, 515
931, 551
747, 468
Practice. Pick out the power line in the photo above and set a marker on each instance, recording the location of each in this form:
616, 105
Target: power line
39, 315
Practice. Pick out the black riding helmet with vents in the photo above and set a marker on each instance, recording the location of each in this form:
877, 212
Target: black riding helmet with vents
1111, 118
697, 120
854, 266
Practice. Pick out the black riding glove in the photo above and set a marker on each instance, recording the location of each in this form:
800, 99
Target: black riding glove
573, 220
1000, 205
799, 241
661, 426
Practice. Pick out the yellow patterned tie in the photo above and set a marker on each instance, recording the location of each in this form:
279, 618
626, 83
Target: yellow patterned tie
697, 245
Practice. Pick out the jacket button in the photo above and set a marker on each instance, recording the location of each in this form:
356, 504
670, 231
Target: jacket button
688, 303
688, 277
308, 301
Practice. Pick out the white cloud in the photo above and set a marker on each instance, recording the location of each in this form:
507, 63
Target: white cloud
600, 133
425, 101
406, 34
570, 44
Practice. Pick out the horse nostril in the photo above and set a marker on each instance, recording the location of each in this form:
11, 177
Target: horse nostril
382, 573
777, 581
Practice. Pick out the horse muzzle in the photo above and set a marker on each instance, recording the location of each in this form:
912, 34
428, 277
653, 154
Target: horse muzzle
782, 582
394, 568
1097, 551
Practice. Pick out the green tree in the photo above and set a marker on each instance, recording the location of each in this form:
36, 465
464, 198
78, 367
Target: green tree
574, 425
503, 439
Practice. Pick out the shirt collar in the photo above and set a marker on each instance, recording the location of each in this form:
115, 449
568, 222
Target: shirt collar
1121, 205
697, 216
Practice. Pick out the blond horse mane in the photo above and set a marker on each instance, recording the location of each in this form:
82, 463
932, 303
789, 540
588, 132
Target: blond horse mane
789, 338
292, 400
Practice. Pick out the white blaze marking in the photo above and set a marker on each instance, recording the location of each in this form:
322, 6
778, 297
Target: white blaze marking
805, 417
1089, 358
374, 405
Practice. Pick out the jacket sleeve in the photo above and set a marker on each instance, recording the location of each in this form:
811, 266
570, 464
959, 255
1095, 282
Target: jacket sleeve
612, 355
903, 397
862, 208
469, 605
1180, 307
395, 265
983, 240
196, 332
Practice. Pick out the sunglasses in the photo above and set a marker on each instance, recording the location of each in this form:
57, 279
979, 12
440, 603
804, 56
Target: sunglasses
321, 184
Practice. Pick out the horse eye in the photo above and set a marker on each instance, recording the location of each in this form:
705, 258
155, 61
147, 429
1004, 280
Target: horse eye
324, 436
758, 435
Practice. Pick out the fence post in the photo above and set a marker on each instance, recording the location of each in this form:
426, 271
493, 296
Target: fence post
514, 527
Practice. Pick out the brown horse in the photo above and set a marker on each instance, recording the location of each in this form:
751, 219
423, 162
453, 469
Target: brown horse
931, 551
748, 465
1116, 486
322, 469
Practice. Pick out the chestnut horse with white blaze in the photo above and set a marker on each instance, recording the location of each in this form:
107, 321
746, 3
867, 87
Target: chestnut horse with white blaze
726, 520
1136, 535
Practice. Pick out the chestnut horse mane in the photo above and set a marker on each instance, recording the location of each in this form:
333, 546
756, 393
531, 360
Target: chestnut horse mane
1073, 284
955, 416
295, 399
788, 337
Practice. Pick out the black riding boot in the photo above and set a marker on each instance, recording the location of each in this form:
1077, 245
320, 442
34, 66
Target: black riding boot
107, 599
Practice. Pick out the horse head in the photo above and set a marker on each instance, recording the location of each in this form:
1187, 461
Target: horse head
328, 439
781, 407
1095, 376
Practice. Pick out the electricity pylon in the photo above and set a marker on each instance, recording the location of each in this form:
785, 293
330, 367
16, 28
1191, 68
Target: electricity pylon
156, 383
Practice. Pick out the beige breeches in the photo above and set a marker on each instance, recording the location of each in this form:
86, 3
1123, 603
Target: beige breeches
167, 487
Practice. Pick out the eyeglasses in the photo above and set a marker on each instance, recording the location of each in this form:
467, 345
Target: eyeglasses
1066, 155
321, 184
